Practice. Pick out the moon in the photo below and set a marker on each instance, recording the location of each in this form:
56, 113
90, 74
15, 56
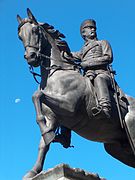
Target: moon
17, 100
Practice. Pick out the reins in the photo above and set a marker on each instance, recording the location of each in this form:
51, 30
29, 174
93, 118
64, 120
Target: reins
31, 69
54, 67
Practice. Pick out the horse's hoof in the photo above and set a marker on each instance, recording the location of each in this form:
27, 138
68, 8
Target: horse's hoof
30, 175
64, 139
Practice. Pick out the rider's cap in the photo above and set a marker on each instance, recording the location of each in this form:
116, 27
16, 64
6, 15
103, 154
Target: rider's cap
88, 22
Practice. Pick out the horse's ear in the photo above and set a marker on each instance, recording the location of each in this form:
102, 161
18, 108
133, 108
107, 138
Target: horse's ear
31, 16
19, 19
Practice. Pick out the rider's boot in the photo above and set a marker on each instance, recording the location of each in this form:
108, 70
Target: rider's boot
103, 109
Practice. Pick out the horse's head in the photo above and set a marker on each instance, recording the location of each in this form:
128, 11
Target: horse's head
31, 34
40, 41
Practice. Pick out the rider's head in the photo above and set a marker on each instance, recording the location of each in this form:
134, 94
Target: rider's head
88, 29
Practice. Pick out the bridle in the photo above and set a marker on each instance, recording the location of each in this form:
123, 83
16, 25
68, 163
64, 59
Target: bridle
39, 52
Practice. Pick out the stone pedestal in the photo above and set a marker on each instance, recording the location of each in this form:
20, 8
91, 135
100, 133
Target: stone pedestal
64, 172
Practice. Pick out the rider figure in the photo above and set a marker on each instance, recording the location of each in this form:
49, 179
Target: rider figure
95, 57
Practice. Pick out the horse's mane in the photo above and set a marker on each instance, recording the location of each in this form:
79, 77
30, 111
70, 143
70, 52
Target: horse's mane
57, 36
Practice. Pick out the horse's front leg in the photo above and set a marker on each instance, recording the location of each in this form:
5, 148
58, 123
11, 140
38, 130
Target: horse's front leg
42, 151
47, 130
37, 168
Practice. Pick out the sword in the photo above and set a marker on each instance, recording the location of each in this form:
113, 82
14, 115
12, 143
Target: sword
112, 72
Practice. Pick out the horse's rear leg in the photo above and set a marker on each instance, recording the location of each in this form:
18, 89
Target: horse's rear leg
46, 129
37, 168
121, 151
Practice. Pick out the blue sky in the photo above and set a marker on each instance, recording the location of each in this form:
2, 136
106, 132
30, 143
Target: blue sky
19, 133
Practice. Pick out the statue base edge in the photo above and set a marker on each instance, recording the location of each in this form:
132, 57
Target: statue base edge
65, 172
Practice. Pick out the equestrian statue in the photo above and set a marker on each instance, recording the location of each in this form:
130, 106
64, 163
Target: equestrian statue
77, 91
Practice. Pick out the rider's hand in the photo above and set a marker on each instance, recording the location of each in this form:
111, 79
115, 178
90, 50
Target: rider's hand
67, 55
84, 65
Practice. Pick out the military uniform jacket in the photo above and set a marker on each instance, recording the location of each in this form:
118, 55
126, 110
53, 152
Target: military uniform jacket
96, 54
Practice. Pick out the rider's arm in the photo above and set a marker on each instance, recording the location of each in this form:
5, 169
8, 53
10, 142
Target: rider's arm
73, 55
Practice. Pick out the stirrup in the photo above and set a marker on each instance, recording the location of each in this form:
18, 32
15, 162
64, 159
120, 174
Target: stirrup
101, 111
96, 110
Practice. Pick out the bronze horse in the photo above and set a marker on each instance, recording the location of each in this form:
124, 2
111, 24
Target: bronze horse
65, 97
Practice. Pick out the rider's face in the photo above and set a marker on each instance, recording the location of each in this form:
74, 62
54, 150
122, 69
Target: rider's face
88, 32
